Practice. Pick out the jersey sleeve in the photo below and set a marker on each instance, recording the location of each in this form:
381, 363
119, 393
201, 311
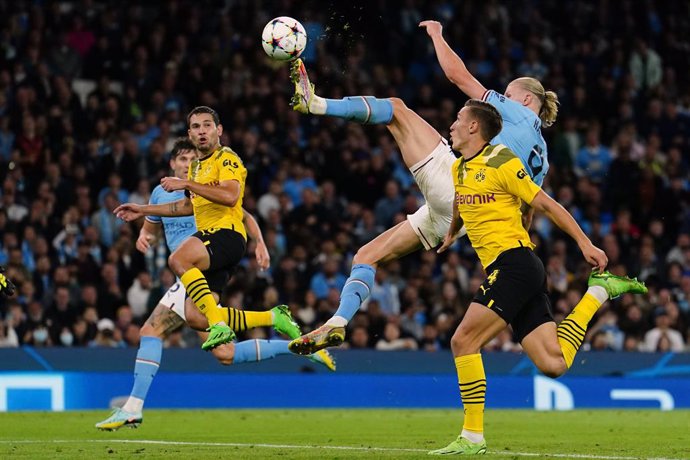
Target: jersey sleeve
509, 110
230, 167
155, 199
513, 178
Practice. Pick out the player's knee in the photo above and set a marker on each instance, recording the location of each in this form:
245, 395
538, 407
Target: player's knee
398, 104
147, 331
364, 256
553, 367
464, 342
225, 354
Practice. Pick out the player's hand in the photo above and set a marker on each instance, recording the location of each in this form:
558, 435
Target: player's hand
144, 242
447, 242
128, 212
433, 28
170, 184
595, 257
262, 256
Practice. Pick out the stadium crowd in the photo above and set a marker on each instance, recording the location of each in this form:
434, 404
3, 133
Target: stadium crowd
92, 96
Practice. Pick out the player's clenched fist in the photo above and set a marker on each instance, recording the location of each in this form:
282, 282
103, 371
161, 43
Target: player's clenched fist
433, 28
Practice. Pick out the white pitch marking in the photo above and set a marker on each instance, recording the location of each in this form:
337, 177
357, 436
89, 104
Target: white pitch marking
293, 446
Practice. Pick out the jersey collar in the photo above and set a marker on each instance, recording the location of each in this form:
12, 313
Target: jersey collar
212, 153
481, 150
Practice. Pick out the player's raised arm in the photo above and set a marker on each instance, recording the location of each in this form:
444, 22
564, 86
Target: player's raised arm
226, 192
130, 211
254, 231
452, 65
557, 213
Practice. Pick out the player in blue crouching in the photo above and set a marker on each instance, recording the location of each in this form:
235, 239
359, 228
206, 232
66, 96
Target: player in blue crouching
175, 308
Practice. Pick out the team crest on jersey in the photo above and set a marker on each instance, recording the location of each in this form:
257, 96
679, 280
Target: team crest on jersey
480, 176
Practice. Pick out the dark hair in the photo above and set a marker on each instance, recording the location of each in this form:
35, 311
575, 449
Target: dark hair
490, 121
181, 145
203, 109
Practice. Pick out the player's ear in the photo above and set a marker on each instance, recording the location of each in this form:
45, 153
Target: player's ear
220, 130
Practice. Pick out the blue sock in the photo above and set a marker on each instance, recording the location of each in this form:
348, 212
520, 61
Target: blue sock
357, 289
363, 109
250, 351
146, 366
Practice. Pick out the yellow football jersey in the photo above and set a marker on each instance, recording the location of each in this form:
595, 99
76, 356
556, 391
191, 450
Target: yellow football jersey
489, 188
222, 165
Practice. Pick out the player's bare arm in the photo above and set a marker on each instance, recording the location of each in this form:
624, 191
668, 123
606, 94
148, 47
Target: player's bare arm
455, 226
226, 193
130, 211
558, 214
527, 215
454, 68
254, 232
149, 233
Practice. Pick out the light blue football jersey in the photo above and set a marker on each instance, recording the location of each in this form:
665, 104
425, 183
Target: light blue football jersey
177, 229
521, 133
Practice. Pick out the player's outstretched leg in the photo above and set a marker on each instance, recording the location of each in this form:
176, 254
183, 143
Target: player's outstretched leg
390, 245
602, 286
255, 350
415, 137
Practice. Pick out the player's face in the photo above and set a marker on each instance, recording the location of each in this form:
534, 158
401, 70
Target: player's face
180, 165
516, 93
460, 130
204, 132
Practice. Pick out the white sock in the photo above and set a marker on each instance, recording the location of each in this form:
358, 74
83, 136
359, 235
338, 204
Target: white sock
598, 293
318, 105
472, 436
133, 405
337, 321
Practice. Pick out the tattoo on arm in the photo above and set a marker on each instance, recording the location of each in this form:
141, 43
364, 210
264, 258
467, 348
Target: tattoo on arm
173, 207
164, 321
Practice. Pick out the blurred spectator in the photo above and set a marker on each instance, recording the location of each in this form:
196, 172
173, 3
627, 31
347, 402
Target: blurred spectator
662, 331
108, 336
391, 339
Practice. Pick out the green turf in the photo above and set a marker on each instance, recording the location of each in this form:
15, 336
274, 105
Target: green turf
313, 434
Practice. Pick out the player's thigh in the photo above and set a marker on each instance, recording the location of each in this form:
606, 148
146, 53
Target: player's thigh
392, 244
415, 137
479, 325
191, 253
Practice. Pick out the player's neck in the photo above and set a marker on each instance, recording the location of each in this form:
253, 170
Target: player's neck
209, 152
473, 148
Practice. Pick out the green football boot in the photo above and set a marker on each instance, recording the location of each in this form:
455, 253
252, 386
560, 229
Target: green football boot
616, 285
218, 335
283, 322
462, 446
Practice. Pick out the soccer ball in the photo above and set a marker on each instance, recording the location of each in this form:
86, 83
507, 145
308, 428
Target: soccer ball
284, 38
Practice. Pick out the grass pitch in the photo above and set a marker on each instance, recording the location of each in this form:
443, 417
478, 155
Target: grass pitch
345, 434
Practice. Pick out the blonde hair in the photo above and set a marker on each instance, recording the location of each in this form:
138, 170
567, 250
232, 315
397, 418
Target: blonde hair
549, 100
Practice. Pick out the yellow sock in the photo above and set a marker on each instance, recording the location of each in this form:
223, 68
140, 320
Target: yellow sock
571, 331
240, 320
472, 390
197, 289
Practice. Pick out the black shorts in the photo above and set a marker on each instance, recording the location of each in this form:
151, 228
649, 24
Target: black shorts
225, 248
515, 289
